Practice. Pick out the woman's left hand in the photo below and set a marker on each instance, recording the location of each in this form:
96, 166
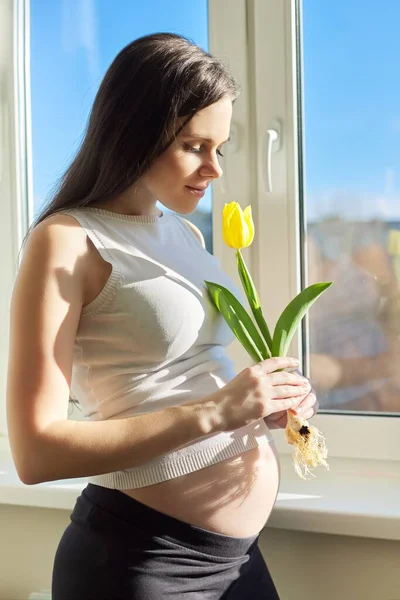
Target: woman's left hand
307, 408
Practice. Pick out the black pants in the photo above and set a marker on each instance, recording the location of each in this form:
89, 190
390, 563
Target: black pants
116, 548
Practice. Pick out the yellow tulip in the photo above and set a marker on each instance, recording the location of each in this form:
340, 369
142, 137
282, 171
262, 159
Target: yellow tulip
237, 226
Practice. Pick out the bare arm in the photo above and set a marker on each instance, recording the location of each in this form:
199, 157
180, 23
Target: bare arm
46, 306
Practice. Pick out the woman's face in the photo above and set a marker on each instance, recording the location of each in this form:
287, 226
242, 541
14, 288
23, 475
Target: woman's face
179, 176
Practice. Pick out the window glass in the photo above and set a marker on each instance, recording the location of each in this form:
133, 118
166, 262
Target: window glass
351, 52
72, 44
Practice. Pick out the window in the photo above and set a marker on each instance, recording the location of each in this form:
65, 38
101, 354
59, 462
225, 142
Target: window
84, 37
324, 83
324, 196
351, 131
59, 58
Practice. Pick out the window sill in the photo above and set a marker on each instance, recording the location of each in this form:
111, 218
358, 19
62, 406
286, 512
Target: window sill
354, 498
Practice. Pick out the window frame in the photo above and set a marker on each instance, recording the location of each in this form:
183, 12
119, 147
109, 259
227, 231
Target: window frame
278, 96
15, 146
255, 26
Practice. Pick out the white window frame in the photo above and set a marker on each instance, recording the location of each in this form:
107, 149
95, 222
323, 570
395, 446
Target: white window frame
276, 258
15, 164
259, 48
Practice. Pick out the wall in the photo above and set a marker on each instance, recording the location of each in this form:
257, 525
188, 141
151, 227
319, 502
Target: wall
305, 566
308, 566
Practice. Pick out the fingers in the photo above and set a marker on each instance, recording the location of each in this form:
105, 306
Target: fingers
283, 377
284, 405
290, 391
307, 407
278, 362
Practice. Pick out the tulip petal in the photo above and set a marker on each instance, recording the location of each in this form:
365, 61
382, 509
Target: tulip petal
236, 231
237, 227
247, 215
226, 219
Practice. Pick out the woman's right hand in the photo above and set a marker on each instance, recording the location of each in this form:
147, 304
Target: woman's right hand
259, 391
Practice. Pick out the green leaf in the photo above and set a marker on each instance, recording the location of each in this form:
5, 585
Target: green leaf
238, 320
253, 298
292, 315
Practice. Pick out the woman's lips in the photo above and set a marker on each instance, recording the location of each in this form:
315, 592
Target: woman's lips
196, 191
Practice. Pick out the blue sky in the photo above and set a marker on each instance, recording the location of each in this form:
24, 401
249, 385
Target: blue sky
352, 109
352, 105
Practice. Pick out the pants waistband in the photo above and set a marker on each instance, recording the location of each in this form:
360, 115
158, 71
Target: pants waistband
118, 504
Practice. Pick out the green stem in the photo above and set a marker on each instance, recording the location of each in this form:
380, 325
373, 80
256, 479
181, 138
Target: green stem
253, 298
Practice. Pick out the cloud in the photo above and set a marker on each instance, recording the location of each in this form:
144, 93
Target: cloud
79, 31
383, 207
354, 205
389, 176
88, 35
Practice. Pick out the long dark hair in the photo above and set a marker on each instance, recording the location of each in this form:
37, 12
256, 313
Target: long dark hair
151, 84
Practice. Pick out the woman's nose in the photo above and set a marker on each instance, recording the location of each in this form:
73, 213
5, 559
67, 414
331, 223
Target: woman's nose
211, 168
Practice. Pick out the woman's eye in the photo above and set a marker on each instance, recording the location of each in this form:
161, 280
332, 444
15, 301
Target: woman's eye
191, 148
198, 150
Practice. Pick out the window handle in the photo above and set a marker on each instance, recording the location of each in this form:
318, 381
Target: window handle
273, 145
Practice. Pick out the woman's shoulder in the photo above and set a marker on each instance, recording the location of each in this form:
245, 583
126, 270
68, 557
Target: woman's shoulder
64, 222
58, 239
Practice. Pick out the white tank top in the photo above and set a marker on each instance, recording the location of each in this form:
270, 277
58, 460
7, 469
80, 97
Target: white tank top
153, 338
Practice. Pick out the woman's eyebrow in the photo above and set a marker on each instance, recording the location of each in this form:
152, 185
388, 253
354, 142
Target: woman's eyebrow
198, 136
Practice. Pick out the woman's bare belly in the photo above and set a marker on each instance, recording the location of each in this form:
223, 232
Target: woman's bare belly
234, 497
